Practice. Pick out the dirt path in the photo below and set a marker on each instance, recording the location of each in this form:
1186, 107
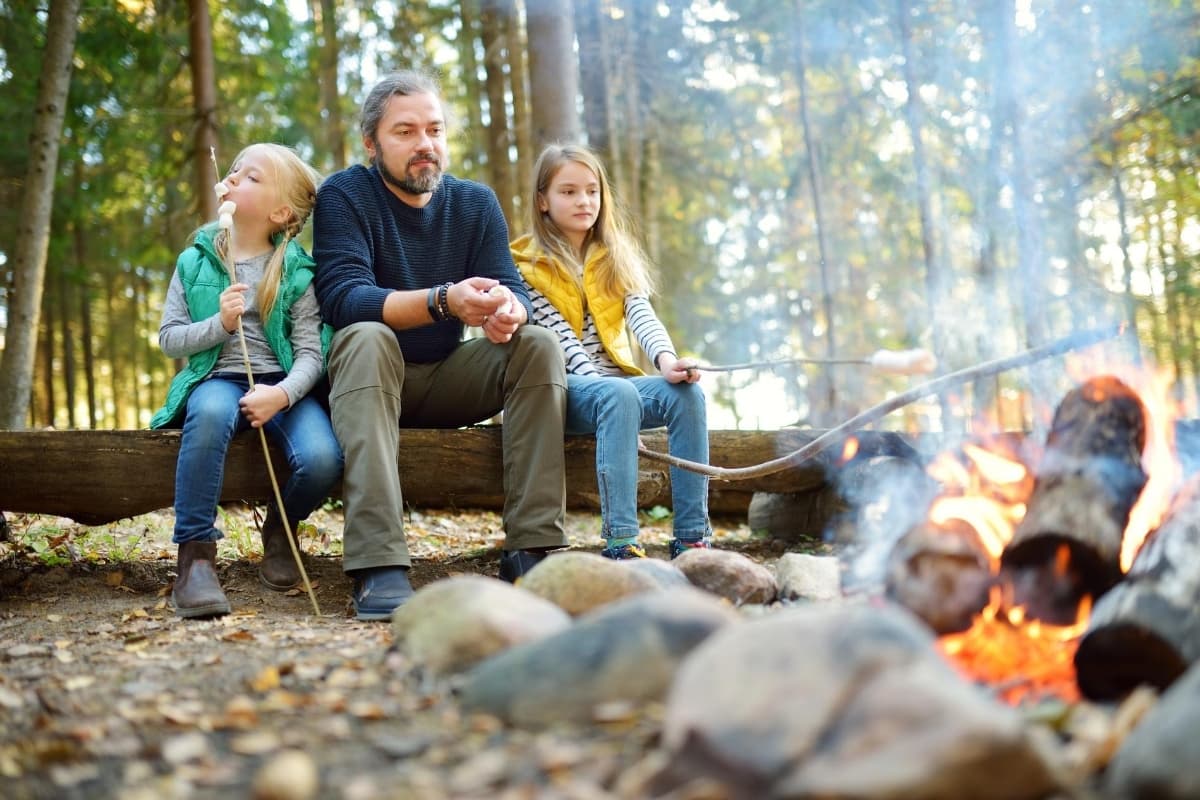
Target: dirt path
105, 693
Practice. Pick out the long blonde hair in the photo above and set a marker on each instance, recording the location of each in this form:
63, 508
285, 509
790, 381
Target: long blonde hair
624, 272
296, 185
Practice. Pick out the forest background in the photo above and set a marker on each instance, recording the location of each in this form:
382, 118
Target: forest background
816, 178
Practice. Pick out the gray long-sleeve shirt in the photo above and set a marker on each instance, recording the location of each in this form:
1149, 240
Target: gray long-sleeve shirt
179, 336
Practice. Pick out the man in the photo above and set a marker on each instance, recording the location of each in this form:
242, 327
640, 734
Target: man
406, 256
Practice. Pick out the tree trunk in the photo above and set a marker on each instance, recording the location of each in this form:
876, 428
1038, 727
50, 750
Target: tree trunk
33, 227
914, 118
66, 287
204, 104
468, 38
595, 71
824, 397
553, 72
335, 124
95, 477
492, 32
519, 85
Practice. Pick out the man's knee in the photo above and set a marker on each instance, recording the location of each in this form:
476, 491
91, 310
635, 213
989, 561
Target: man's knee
364, 354
539, 348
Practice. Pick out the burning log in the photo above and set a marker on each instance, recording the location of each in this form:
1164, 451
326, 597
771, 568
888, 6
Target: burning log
1068, 545
941, 573
1147, 629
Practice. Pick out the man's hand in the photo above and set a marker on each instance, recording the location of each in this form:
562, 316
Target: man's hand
261, 403
485, 303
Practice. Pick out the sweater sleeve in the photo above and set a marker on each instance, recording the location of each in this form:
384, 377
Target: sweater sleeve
178, 335
647, 328
547, 316
345, 281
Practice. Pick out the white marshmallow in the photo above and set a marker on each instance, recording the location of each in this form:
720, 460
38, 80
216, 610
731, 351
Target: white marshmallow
904, 362
226, 221
221, 189
228, 207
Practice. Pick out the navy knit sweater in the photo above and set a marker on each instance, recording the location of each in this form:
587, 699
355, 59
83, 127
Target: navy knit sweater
366, 242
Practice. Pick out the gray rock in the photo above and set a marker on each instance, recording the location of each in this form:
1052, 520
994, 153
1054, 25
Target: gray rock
843, 701
735, 577
806, 577
578, 582
626, 652
454, 623
1160, 760
664, 573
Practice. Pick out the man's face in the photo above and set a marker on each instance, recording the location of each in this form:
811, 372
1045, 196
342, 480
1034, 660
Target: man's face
409, 146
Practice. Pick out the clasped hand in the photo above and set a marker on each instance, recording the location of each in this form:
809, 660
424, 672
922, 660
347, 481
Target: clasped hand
486, 303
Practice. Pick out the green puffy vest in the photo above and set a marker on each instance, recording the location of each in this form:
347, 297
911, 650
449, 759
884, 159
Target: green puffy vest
204, 278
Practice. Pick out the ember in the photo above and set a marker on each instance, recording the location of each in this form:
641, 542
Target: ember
1021, 660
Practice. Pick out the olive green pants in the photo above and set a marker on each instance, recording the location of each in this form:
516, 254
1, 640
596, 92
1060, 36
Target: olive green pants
374, 393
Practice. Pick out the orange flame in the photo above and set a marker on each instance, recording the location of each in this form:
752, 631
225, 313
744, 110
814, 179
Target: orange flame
1022, 658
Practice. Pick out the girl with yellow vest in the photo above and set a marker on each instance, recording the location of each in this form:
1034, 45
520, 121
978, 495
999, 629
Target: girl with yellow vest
589, 284
269, 194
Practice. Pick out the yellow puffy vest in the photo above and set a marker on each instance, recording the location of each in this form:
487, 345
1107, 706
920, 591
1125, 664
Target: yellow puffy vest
553, 280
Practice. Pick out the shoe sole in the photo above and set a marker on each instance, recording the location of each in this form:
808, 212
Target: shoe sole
210, 610
372, 616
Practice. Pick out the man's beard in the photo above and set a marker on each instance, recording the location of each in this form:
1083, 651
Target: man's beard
425, 182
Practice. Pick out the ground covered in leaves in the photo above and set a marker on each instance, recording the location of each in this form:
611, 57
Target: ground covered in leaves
105, 693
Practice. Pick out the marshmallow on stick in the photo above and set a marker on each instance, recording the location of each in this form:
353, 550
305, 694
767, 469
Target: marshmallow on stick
903, 362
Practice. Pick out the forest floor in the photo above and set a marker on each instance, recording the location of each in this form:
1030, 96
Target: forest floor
104, 692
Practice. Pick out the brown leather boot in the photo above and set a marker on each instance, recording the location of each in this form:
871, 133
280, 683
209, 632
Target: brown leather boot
277, 570
197, 591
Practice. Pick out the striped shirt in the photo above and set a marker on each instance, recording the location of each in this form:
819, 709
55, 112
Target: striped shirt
586, 355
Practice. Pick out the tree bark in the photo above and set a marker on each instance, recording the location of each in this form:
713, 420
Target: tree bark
335, 124
522, 124
1147, 629
204, 105
553, 72
100, 476
595, 77
824, 402
33, 228
499, 140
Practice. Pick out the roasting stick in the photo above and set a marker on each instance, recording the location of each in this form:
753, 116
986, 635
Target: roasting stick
899, 362
225, 220
1075, 341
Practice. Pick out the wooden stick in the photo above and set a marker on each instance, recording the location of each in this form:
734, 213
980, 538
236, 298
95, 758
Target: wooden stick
262, 433
1066, 344
778, 363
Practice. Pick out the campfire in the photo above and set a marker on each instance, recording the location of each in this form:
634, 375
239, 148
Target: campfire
1030, 563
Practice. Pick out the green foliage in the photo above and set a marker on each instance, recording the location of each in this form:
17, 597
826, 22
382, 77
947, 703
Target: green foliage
714, 156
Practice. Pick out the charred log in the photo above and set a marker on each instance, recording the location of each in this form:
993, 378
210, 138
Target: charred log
941, 573
1069, 543
1146, 630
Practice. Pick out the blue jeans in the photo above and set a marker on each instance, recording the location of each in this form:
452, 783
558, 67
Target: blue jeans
213, 418
615, 409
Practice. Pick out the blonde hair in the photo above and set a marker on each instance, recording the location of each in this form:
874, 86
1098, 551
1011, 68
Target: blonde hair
624, 272
296, 186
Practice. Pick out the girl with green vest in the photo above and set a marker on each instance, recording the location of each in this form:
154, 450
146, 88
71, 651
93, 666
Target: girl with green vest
589, 284
269, 194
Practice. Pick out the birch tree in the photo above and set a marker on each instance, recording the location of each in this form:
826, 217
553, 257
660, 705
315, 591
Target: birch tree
33, 231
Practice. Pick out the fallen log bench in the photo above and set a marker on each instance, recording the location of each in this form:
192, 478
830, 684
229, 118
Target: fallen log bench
99, 476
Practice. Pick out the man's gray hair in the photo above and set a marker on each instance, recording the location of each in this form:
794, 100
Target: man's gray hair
405, 82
